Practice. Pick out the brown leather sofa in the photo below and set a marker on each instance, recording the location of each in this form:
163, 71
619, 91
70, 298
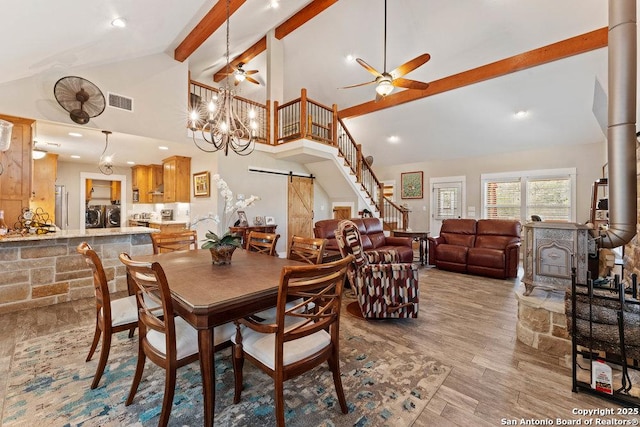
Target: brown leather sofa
372, 235
486, 247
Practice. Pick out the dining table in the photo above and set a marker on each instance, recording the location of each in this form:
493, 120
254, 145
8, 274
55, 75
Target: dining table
208, 295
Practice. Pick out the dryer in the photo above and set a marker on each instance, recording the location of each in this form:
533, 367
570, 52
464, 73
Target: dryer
94, 217
112, 216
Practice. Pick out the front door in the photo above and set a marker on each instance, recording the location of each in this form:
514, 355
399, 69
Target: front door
447, 200
300, 207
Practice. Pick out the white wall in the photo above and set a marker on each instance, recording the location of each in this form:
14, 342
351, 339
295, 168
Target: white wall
157, 83
588, 160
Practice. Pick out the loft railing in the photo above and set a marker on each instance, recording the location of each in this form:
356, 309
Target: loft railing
304, 118
200, 95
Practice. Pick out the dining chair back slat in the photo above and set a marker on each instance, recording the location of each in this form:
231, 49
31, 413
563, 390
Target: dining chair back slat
177, 241
306, 249
264, 243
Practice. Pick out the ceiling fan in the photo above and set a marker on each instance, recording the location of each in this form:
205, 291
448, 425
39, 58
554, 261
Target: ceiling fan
240, 74
386, 81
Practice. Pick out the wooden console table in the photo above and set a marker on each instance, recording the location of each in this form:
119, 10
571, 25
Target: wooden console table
419, 236
244, 231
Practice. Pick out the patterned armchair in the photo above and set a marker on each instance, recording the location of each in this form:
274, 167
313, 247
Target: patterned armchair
384, 287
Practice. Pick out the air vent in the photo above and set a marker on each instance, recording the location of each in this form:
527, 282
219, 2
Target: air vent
120, 102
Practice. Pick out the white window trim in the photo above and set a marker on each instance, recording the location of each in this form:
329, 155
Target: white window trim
524, 175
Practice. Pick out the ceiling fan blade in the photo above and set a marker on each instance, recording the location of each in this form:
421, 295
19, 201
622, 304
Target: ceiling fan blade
359, 84
368, 67
248, 73
409, 84
409, 66
252, 80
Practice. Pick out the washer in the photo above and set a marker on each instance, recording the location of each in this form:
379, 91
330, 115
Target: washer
94, 217
112, 216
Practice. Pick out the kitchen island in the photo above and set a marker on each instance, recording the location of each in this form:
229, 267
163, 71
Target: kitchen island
44, 269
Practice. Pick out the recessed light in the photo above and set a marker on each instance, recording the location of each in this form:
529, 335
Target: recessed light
131, 163
393, 139
274, 4
75, 156
119, 23
521, 114
162, 147
75, 134
350, 58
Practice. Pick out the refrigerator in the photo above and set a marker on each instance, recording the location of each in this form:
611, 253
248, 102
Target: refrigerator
62, 207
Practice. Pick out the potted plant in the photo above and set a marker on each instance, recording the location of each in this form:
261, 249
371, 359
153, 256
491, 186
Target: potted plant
221, 248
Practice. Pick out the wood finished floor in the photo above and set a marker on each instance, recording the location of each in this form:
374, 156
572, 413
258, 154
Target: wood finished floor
467, 322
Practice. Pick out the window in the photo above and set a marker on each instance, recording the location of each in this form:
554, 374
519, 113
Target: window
549, 194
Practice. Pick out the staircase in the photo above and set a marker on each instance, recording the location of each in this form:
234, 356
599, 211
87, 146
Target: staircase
312, 134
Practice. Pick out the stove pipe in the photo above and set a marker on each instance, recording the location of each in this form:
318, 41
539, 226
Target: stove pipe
621, 130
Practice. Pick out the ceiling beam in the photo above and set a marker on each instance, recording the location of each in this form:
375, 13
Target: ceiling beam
246, 56
207, 26
563, 49
302, 16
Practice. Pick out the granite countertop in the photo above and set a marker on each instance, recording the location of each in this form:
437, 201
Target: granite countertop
89, 232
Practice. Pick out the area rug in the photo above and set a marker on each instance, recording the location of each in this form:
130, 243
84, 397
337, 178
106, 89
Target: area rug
48, 385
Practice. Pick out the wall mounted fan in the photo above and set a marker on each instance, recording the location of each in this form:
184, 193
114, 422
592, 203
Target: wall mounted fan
81, 98
240, 74
386, 81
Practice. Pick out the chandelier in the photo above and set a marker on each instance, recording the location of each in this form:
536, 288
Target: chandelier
223, 128
105, 163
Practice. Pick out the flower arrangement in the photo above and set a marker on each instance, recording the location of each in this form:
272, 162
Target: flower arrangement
213, 240
230, 208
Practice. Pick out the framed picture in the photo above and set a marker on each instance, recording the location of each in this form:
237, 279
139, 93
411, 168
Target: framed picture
201, 184
242, 217
411, 185
269, 220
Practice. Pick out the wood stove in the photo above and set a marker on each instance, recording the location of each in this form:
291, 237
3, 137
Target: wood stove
551, 250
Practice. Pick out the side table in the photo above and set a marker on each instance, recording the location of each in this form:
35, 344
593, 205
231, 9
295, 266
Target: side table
418, 236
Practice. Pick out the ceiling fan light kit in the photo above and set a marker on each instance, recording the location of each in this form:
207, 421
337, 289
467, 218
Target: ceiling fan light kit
387, 81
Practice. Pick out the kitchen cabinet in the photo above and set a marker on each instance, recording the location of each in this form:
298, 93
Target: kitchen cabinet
169, 228
115, 190
147, 180
44, 182
140, 182
16, 165
177, 179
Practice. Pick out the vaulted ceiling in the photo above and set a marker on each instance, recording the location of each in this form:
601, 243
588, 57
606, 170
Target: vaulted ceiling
469, 110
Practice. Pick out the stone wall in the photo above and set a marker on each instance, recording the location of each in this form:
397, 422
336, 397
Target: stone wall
542, 323
632, 249
36, 273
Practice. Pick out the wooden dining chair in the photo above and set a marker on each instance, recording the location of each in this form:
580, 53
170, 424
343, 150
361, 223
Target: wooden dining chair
298, 340
264, 243
306, 249
165, 338
176, 241
112, 315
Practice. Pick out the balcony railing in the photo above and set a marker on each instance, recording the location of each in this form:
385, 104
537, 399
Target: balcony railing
304, 118
200, 96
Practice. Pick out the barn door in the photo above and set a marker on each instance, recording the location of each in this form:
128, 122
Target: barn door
300, 207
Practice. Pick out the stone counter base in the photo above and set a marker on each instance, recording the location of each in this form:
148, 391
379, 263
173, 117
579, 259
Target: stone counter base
36, 273
542, 323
